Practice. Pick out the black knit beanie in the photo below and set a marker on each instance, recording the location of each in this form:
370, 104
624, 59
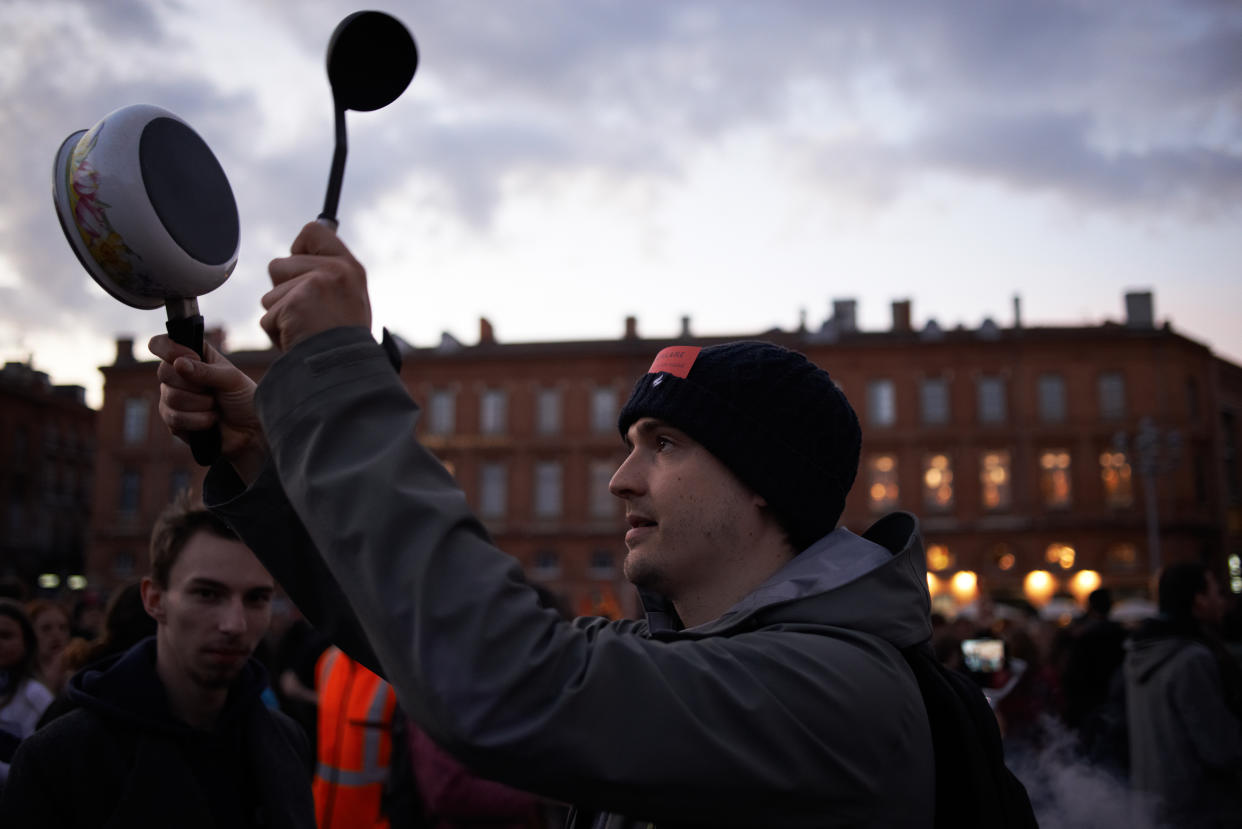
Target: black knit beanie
767, 413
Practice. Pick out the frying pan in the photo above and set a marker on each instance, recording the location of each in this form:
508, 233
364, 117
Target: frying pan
149, 212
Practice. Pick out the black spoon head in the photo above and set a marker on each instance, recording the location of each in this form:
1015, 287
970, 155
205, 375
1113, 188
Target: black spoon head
371, 60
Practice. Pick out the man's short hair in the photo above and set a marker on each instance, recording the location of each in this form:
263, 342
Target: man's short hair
176, 525
1100, 600
1178, 586
774, 418
13, 610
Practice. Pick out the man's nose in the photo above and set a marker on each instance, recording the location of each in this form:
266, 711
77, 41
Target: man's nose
628, 479
233, 616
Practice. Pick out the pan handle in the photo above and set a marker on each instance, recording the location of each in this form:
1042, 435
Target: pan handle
188, 331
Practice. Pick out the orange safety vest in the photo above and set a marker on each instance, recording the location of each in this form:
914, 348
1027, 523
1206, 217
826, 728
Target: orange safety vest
355, 743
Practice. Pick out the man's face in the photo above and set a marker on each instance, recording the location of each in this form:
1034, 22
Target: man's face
689, 515
1209, 606
214, 611
52, 632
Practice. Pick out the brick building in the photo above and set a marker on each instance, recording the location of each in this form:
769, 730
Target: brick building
47, 451
1078, 455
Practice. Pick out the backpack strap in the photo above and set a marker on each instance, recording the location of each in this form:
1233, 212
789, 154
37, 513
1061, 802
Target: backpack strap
974, 787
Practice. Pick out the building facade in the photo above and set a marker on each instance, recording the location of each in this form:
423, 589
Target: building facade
1041, 461
47, 453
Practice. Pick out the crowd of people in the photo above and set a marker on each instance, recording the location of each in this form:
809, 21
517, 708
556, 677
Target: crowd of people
1151, 705
1054, 682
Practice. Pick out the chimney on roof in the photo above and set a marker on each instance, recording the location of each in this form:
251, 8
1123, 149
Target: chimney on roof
843, 313
901, 316
1140, 310
124, 351
487, 336
685, 329
631, 328
1017, 311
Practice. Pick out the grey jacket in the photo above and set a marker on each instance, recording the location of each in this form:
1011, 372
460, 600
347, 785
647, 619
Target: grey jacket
793, 709
1185, 744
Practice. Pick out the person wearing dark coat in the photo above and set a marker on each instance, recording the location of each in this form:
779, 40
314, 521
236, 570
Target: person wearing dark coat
174, 731
1184, 705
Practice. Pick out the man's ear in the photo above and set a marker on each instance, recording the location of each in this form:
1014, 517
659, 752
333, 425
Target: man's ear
153, 599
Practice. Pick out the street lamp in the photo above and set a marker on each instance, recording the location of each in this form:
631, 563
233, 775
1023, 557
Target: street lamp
1157, 452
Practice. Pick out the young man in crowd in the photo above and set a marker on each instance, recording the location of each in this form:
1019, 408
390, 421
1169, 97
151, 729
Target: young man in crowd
1184, 704
173, 732
766, 686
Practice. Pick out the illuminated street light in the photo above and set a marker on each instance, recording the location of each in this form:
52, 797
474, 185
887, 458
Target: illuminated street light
1083, 582
1039, 587
964, 586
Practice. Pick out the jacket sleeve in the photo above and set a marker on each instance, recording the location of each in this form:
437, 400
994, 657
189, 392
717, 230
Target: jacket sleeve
34, 793
263, 518
587, 713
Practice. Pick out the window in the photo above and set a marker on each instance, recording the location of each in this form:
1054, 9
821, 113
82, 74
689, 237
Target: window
134, 426
548, 411
20, 441
1112, 393
937, 482
994, 479
1123, 556
493, 490
992, 400
603, 503
1003, 557
492, 412
934, 400
1060, 555
441, 412
547, 489
604, 409
882, 482
15, 518
1051, 392
1054, 477
178, 483
938, 557
881, 403
1115, 474
123, 564
1229, 455
603, 564
547, 564
130, 485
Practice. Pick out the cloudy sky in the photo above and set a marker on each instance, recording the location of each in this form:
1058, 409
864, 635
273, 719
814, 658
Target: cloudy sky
557, 165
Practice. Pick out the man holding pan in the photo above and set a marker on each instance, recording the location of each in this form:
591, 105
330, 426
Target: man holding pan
765, 688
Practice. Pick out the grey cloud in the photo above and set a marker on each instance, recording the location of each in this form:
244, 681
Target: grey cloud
1019, 91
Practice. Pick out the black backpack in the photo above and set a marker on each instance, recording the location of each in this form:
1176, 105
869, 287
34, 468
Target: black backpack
974, 787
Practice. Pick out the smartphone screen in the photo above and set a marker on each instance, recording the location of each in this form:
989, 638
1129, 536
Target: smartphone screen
983, 656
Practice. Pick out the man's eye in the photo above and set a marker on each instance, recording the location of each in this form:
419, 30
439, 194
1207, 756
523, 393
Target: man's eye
662, 443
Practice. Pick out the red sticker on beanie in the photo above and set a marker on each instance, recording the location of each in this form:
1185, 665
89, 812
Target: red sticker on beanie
676, 360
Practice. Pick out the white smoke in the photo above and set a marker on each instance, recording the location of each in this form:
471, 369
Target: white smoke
1068, 792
